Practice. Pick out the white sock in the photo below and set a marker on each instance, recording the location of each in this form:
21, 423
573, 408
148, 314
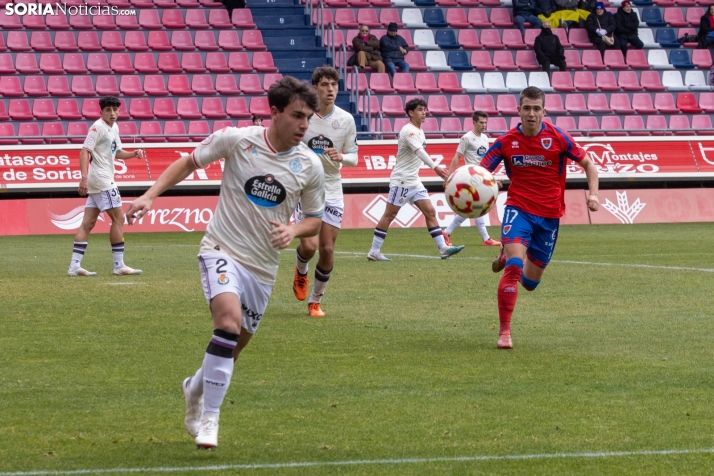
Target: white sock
455, 223
80, 247
217, 369
378, 240
481, 225
301, 263
438, 237
318, 287
195, 385
118, 254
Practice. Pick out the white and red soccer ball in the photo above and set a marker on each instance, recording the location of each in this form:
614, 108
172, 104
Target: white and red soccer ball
471, 191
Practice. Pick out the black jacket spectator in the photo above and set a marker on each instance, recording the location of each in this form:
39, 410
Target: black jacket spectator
706, 25
587, 5
389, 47
545, 7
523, 8
548, 47
626, 23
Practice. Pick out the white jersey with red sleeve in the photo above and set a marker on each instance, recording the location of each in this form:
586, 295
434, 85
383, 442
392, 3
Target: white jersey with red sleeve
102, 143
406, 168
259, 185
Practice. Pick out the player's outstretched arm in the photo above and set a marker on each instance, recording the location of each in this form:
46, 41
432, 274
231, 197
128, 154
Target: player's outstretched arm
124, 155
454, 162
593, 184
175, 173
284, 234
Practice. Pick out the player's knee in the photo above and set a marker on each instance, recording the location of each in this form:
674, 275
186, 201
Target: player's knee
529, 284
327, 250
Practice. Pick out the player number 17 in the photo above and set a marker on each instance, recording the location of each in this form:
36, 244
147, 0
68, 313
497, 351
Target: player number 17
510, 215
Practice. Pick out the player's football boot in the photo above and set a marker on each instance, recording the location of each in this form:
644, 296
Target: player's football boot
207, 437
314, 309
80, 272
447, 238
504, 341
125, 271
491, 242
300, 283
499, 262
377, 257
193, 409
450, 251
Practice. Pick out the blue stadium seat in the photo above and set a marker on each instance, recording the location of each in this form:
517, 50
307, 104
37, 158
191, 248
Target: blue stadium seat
680, 59
434, 17
446, 39
459, 60
667, 38
425, 3
653, 17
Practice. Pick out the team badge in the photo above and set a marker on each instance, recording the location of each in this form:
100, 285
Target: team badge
546, 142
223, 279
335, 124
295, 165
506, 229
265, 191
114, 146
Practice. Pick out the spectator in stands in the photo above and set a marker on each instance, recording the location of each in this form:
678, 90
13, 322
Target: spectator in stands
393, 48
601, 29
366, 49
627, 22
587, 5
525, 11
548, 49
257, 121
706, 26
232, 5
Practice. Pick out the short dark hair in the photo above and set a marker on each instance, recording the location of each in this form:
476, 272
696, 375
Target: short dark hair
108, 101
532, 92
478, 114
289, 89
413, 104
256, 117
324, 72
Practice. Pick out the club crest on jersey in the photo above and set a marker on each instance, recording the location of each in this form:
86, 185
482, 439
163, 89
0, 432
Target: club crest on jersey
506, 229
319, 144
335, 124
295, 165
546, 142
265, 191
114, 146
223, 279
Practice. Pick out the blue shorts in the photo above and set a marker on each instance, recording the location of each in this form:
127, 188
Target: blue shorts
536, 233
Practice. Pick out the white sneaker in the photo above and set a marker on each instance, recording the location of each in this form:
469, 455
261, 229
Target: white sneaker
207, 437
378, 256
194, 406
80, 272
125, 271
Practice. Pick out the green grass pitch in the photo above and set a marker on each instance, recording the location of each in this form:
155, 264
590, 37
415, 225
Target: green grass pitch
613, 353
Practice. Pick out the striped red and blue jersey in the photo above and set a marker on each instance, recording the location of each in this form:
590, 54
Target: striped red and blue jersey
536, 167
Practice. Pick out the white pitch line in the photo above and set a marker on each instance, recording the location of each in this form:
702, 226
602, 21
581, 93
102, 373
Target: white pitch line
589, 263
127, 283
306, 464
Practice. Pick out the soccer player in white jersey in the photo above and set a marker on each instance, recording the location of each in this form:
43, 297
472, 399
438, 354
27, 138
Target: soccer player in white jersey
405, 186
96, 164
332, 135
265, 172
472, 147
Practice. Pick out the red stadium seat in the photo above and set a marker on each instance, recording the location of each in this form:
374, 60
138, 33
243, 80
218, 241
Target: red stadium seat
242, 18
217, 63
687, 103
702, 59
57, 22
175, 130
169, 63
693, 15
154, 85
68, 109
127, 22
507, 104
501, 17
651, 81
496, 126
426, 83
614, 59
637, 59
589, 124
212, 108
481, 60
158, 41
642, 103
455, 17
706, 101
579, 38
218, 18
145, 63
478, 18
83, 86
10, 86
438, 105
140, 108
373, 105
575, 104
65, 41
173, 19
620, 104
612, 126
592, 60
485, 103
58, 86
701, 124
512, 39
250, 84
326, 18
263, 62
491, 39
164, 3
597, 103
6, 64
237, 107
530, 37
555, 104
628, 81
35, 86
164, 108
664, 103
228, 40
656, 125
74, 63
368, 16
33, 22
104, 22
53, 133
196, 19
9, 22
198, 130
226, 85
503, 60
562, 81
187, 108
192, 63
27, 130
149, 129
17, 41
431, 128
178, 85
404, 83
361, 85
567, 123
415, 59
239, 63
392, 106
44, 109
562, 35
98, 63
345, 18
468, 39
449, 83
112, 41
269, 79
584, 81
41, 41
50, 63
635, 126
131, 86
205, 40
461, 105
674, 17
380, 83
90, 109
572, 59
606, 81
526, 61
80, 22
19, 110
26, 63
203, 84
107, 85
259, 106
679, 125
218, 125
79, 130
182, 40
451, 127
253, 40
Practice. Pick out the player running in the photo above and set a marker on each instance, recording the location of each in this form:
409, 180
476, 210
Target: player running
405, 186
266, 171
534, 154
472, 147
100, 148
332, 135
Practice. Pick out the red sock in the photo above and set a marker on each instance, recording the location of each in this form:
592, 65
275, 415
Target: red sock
507, 296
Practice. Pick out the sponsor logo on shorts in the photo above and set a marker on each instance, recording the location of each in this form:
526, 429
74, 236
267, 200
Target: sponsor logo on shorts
295, 165
320, 143
334, 212
265, 191
255, 317
223, 279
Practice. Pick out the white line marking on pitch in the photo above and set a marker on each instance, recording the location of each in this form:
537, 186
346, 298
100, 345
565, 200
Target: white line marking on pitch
126, 283
305, 464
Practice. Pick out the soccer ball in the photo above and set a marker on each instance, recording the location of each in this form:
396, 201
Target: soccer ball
471, 191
